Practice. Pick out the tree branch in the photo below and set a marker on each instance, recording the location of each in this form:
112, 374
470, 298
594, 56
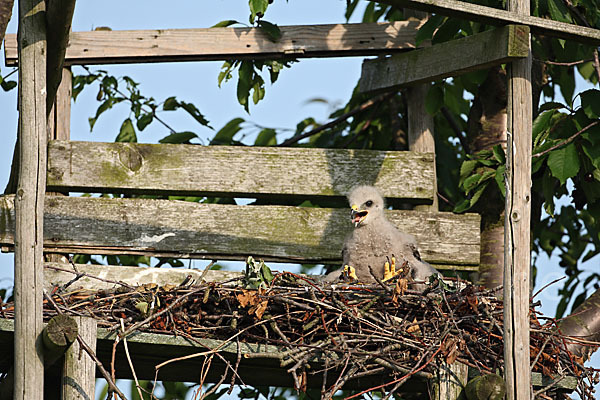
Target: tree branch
567, 140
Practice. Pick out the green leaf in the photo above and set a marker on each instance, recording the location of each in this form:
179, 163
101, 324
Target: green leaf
225, 23
486, 175
426, 30
245, 81
194, 112
558, 11
548, 186
590, 102
477, 194
226, 133
593, 153
551, 105
499, 154
471, 182
127, 132
463, 206
434, 99
170, 104
257, 9
225, 73
564, 163
500, 179
258, 90
270, 29
466, 169
7, 85
179, 137
266, 272
266, 137
144, 121
541, 123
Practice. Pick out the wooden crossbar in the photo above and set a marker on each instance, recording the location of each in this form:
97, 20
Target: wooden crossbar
167, 45
183, 229
235, 171
495, 16
476, 52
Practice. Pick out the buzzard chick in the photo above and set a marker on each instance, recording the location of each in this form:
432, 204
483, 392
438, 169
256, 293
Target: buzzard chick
374, 241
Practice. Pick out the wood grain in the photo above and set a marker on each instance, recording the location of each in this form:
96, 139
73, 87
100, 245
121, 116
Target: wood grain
218, 231
79, 370
234, 170
167, 45
517, 248
495, 16
479, 51
29, 203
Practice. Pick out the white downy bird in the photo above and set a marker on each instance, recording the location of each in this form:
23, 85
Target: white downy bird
375, 241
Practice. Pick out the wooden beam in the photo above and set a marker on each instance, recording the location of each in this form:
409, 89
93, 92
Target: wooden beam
59, 15
79, 370
450, 381
29, 202
209, 44
428, 64
420, 123
234, 171
517, 239
184, 229
498, 17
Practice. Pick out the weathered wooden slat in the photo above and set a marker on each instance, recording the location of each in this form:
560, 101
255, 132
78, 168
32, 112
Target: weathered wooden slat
186, 229
56, 274
151, 349
167, 45
479, 51
495, 16
235, 171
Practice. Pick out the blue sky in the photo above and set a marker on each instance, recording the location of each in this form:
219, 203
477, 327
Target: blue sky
285, 104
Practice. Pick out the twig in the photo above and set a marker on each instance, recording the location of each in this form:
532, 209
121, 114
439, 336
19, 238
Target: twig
137, 383
567, 140
369, 103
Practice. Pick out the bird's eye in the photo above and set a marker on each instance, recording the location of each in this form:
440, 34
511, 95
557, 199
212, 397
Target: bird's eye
369, 203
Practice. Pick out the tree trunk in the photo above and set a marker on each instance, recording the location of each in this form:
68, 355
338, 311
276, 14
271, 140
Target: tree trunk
6, 7
584, 322
486, 128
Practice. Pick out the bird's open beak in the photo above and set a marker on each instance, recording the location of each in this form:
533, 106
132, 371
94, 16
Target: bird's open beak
357, 215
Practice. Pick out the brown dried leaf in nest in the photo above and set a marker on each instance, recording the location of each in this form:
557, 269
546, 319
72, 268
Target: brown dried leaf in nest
168, 287
452, 348
146, 287
473, 302
399, 289
248, 297
259, 309
414, 328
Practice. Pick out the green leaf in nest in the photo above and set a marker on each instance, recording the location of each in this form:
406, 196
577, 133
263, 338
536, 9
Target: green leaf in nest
564, 163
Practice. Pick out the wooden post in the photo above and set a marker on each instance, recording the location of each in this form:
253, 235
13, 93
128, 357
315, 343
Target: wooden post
79, 370
420, 123
517, 253
59, 121
450, 381
29, 202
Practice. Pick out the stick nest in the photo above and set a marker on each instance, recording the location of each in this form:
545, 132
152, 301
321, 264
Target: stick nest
354, 331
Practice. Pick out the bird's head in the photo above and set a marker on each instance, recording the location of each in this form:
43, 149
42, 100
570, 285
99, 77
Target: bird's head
367, 205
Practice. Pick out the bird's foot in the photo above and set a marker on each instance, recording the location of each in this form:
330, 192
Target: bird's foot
350, 272
389, 270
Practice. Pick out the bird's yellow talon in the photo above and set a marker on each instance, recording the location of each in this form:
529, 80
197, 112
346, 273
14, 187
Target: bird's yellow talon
390, 270
350, 272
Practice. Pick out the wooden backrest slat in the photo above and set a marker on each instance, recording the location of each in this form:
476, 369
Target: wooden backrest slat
187, 229
171, 45
235, 171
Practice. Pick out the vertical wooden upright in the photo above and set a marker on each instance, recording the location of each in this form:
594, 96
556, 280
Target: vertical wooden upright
79, 370
420, 123
29, 201
517, 250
